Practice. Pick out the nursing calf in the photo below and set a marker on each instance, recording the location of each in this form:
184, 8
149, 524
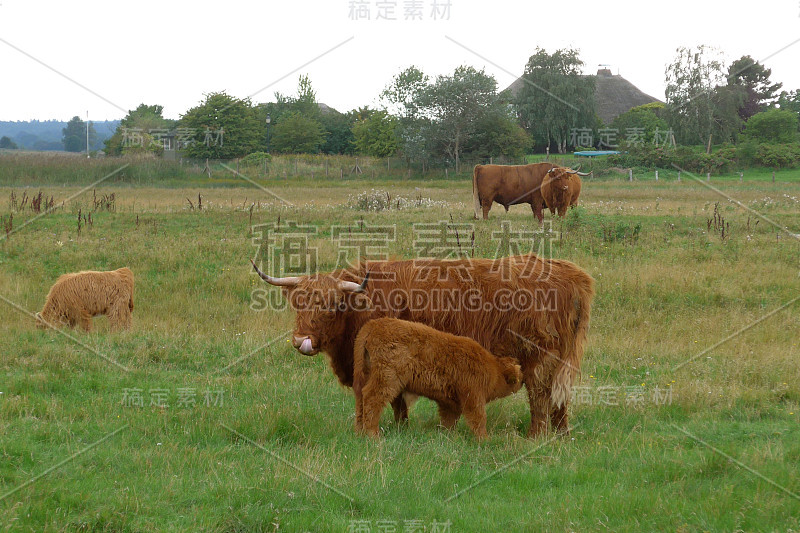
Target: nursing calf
393, 357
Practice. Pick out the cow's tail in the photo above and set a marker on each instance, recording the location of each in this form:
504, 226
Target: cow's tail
475, 197
572, 353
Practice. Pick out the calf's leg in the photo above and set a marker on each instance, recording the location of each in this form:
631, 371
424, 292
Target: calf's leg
400, 408
448, 415
475, 414
377, 392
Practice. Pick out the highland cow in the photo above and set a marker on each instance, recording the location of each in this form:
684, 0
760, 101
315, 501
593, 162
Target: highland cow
394, 357
561, 188
75, 298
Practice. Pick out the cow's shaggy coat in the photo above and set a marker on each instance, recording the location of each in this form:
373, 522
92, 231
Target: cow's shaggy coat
75, 298
394, 356
546, 335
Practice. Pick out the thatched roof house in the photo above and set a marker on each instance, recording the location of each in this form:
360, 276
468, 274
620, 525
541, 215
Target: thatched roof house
613, 95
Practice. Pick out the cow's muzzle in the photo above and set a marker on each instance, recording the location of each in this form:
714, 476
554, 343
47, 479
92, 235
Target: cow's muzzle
304, 345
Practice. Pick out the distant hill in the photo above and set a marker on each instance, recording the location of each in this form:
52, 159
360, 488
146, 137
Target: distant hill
45, 135
613, 95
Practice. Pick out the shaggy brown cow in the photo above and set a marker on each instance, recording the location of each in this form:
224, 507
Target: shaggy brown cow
533, 309
75, 298
394, 356
509, 185
561, 188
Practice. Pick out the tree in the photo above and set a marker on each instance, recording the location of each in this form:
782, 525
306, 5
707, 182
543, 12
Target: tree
339, 132
376, 135
222, 127
139, 131
644, 120
789, 101
498, 134
753, 78
402, 99
74, 135
7, 143
454, 104
699, 103
772, 126
555, 97
296, 133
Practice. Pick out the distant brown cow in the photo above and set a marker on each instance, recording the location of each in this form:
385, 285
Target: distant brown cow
393, 356
527, 307
561, 188
509, 185
75, 298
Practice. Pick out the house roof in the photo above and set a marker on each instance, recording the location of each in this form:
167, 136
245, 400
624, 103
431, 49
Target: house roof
613, 95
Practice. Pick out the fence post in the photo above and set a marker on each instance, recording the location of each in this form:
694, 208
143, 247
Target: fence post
630, 174
679, 175
741, 175
656, 175
773, 176
387, 164
341, 173
491, 160
326, 167
708, 176
295, 166
445, 172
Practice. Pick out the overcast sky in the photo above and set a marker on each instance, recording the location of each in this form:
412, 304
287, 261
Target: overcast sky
171, 53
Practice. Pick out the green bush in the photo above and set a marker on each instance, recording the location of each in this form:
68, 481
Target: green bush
255, 159
778, 155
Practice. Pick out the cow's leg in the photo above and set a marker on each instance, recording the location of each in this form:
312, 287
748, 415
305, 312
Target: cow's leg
85, 321
562, 210
538, 399
537, 211
475, 414
559, 420
448, 415
486, 206
400, 408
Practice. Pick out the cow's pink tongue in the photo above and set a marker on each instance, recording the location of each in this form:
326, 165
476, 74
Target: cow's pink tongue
306, 347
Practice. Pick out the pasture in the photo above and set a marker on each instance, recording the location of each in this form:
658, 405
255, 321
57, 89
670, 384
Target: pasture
203, 418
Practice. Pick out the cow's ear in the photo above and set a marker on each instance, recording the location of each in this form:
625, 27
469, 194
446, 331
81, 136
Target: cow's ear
361, 302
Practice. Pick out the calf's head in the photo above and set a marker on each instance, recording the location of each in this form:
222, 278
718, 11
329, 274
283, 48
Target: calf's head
511, 377
323, 305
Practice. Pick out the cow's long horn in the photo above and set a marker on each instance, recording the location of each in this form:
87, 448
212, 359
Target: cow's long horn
583, 173
280, 282
350, 286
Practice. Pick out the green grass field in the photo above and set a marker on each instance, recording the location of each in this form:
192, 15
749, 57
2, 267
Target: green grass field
686, 417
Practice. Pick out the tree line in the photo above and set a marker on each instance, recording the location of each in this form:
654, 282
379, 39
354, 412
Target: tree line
462, 114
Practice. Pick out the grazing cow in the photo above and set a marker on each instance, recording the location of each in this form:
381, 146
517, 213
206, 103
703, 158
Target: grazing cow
533, 309
561, 188
75, 298
393, 357
509, 185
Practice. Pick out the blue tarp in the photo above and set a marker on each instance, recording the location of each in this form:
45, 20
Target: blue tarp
593, 153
